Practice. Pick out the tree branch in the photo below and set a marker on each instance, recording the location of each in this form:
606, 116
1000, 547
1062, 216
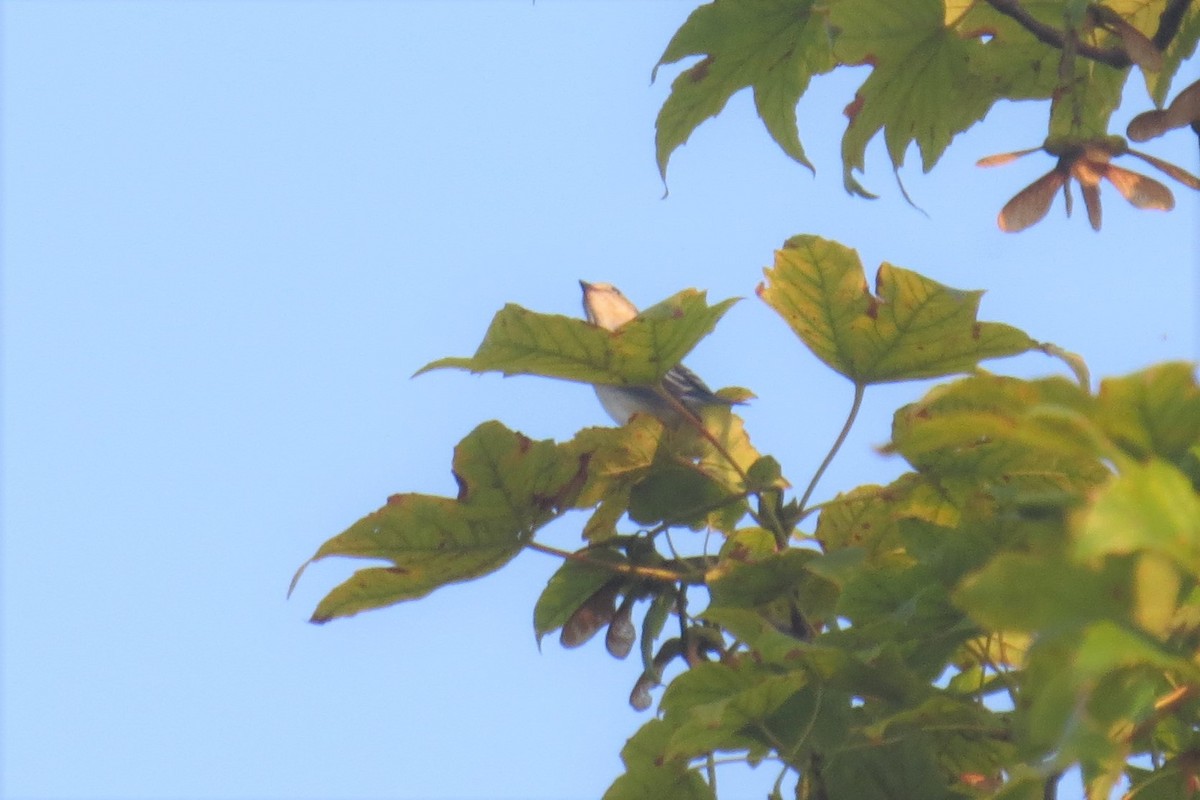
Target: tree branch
1168, 26
1049, 35
652, 573
1168, 23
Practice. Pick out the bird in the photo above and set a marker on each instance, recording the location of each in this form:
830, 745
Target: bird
606, 307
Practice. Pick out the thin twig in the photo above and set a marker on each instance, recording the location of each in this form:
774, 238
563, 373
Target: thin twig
1050, 787
1168, 23
859, 390
1116, 57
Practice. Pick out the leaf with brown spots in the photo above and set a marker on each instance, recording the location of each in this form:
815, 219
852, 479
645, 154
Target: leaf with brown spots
911, 328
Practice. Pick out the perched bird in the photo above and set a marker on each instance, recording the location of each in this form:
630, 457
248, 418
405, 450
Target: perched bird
604, 305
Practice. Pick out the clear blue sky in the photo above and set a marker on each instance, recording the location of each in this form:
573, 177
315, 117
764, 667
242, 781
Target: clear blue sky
233, 230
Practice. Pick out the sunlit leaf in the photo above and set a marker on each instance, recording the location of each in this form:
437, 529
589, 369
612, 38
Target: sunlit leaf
912, 328
991, 431
1150, 507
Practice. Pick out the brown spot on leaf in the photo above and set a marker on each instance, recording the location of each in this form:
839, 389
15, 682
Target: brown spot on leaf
851, 110
976, 331
872, 307
700, 71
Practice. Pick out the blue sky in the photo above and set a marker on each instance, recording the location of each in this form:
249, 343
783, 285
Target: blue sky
232, 231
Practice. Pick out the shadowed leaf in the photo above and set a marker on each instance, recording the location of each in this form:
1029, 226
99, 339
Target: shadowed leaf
509, 486
773, 46
522, 342
570, 587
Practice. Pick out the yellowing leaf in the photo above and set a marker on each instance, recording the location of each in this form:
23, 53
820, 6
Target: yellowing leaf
913, 328
522, 342
1004, 435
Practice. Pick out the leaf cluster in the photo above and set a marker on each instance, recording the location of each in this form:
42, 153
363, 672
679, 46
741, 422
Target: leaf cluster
937, 67
1023, 599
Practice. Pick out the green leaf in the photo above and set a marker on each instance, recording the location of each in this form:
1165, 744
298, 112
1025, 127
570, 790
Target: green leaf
619, 458
1153, 412
570, 587
1019, 440
862, 519
1181, 48
649, 775
676, 494
639, 353
908, 606
919, 90
774, 46
966, 736
1148, 507
885, 771
915, 327
1173, 780
1083, 106
509, 486
1023, 592
1106, 647
732, 721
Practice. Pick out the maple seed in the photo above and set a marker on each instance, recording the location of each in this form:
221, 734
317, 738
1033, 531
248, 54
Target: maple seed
1088, 164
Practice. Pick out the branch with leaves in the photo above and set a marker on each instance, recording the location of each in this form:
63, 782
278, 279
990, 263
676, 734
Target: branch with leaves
1011, 545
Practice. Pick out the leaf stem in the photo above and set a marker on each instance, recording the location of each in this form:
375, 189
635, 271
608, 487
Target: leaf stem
651, 573
859, 391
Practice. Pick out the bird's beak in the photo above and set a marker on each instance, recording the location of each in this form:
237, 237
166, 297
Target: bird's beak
585, 286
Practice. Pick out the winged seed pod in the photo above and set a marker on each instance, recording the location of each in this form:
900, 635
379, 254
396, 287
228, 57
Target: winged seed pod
1183, 110
1087, 163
